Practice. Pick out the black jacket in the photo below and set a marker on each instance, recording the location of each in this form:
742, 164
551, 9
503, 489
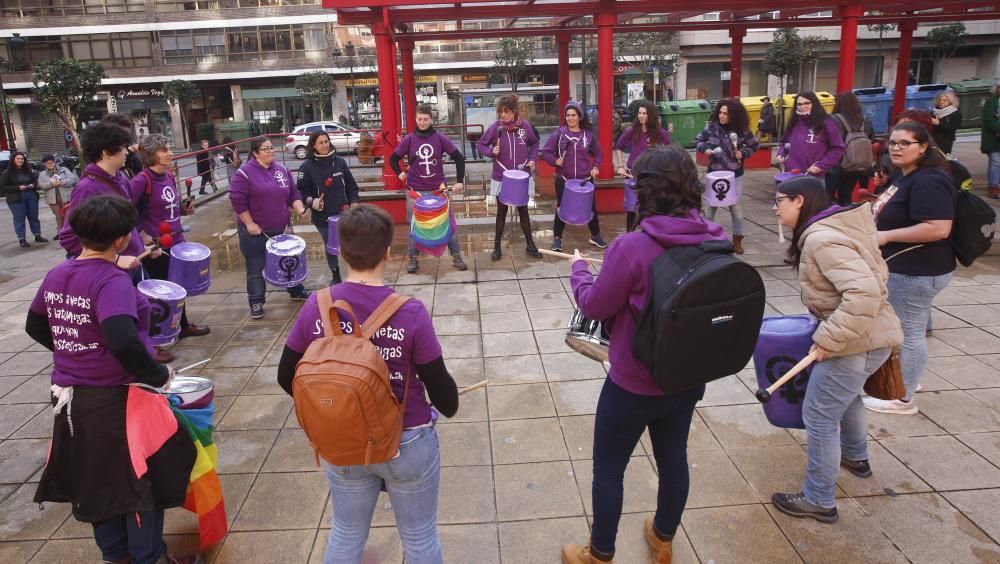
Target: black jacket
767, 122
10, 180
944, 132
342, 190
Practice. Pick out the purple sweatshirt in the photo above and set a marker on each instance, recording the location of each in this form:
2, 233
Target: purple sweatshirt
637, 148
803, 148
578, 149
518, 145
620, 291
96, 182
265, 192
162, 204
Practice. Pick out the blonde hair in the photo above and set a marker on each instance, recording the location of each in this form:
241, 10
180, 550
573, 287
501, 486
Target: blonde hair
949, 95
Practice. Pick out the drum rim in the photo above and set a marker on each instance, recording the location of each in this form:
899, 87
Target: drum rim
169, 283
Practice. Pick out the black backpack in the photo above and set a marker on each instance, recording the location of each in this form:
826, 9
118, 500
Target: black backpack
703, 316
973, 228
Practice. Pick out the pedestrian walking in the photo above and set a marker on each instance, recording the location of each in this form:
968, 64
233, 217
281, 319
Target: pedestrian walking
20, 187
53, 180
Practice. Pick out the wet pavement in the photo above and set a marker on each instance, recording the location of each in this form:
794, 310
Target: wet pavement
517, 458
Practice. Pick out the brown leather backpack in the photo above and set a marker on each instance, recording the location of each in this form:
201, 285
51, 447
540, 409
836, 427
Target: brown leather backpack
343, 397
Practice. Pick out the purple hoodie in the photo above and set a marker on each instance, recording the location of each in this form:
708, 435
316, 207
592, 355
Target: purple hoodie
518, 145
265, 192
162, 205
620, 292
805, 148
578, 149
636, 148
96, 182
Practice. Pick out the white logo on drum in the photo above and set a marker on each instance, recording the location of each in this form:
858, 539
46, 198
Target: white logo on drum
280, 177
425, 152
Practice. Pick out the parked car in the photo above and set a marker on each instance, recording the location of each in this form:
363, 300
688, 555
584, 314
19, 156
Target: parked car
343, 139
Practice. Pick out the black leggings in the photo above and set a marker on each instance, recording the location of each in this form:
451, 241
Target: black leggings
559, 225
522, 211
840, 186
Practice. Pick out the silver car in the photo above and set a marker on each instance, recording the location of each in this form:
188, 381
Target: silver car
343, 139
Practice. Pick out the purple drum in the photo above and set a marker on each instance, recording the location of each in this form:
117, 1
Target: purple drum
721, 188
166, 306
514, 188
191, 267
285, 265
631, 196
332, 235
577, 206
783, 342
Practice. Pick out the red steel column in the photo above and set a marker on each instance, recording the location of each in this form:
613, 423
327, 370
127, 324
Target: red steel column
737, 33
848, 46
409, 84
605, 21
388, 99
563, 39
902, 66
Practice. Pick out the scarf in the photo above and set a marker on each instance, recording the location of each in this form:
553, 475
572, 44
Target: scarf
944, 112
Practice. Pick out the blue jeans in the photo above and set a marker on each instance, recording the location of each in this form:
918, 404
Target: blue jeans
411, 247
621, 419
911, 297
413, 482
27, 208
254, 249
735, 210
836, 421
993, 169
139, 536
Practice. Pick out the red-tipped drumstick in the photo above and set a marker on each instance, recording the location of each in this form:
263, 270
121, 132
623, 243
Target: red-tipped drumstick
165, 242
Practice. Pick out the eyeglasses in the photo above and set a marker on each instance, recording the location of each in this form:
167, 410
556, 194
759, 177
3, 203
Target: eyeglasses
902, 144
266, 149
778, 199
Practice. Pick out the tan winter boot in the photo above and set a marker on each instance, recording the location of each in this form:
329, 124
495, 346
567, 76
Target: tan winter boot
661, 551
738, 244
575, 554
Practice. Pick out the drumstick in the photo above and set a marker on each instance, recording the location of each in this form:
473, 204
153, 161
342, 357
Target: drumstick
475, 386
781, 233
764, 395
564, 255
199, 363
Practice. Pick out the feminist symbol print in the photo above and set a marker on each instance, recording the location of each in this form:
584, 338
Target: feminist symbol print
280, 177
289, 265
170, 197
721, 188
425, 152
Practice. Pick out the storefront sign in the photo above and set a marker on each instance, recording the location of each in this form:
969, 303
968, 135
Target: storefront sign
725, 75
127, 93
535, 80
475, 78
374, 81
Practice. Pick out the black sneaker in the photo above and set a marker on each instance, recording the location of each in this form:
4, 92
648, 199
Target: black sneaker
256, 311
40, 239
301, 296
496, 253
859, 468
202, 192
532, 250
557, 244
24, 244
598, 241
412, 266
797, 505
457, 262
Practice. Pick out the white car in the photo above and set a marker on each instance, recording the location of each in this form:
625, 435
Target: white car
343, 139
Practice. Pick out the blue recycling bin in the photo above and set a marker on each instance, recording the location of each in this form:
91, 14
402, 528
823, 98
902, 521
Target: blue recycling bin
922, 96
877, 105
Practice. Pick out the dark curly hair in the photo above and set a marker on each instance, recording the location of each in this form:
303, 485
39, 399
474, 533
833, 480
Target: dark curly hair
739, 120
654, 128
667, 182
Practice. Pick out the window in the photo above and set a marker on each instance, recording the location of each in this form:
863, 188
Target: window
193, 5
239, 44
113, 50
37, 8
710, 17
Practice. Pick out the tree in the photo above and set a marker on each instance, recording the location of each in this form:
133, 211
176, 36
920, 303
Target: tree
513, 56
62, 87
882, 29
648, 52
316, 87
181, 93
945, 40
788, 53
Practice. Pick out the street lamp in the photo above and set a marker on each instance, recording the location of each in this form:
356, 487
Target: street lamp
349, 53
15, 41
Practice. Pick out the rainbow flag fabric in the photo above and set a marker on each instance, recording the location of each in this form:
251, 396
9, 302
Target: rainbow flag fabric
204, 495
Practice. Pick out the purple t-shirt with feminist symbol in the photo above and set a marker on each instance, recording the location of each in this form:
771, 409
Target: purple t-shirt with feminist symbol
425, 155
162, 205
406, 340
76, 296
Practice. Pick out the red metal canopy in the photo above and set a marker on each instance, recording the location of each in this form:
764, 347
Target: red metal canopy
409, 21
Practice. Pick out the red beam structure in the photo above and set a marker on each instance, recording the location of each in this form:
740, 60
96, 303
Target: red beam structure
906, 29
736, 33
409, 84
605, 20
848, 45
388, 97
563, 39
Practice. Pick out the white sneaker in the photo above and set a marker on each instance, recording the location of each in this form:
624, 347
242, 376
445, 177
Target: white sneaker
899, 407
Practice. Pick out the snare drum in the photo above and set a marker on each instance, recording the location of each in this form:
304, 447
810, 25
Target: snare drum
166, 307
285, 265
191, 267
587, 337
192, 392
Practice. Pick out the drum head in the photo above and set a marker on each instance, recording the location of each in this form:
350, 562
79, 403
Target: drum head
190, 251
161, 290
286, 245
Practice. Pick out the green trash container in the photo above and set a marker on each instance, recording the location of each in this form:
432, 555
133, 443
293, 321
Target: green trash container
689, 118
238, 131
972, 95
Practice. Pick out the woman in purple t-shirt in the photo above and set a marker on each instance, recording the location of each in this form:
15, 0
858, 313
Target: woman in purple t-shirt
411, 351
811, 143
96, 325
635, 140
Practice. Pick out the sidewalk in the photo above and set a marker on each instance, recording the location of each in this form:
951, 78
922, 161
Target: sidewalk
516, 474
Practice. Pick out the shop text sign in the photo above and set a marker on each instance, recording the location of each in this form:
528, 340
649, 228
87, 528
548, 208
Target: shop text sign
374, 81
126, 93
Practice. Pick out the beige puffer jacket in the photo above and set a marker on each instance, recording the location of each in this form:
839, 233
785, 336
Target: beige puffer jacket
843, 279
